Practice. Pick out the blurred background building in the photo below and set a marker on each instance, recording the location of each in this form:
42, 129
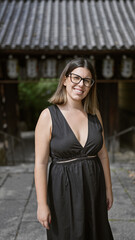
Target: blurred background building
38, 38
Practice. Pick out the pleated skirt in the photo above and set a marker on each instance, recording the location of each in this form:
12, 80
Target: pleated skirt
77, 201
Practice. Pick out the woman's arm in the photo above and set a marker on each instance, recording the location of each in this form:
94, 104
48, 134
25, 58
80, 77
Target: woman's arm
103, 155
42, 142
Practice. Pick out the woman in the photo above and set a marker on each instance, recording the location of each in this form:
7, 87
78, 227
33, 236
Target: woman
79, 193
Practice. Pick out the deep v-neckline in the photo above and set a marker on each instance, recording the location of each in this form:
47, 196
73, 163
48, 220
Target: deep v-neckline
72, 129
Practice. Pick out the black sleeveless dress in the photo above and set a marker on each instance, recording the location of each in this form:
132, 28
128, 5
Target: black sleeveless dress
76, 189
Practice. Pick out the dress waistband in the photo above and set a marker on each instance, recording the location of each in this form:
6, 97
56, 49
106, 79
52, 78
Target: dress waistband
75, 159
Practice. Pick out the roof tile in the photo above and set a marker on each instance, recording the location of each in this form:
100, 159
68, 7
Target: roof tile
67, 24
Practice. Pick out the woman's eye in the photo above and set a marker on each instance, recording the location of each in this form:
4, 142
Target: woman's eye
87, 80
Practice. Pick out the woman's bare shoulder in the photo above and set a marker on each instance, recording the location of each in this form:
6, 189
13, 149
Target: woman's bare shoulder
45, 113
44, 119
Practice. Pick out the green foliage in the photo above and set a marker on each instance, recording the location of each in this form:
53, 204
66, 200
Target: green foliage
33, 97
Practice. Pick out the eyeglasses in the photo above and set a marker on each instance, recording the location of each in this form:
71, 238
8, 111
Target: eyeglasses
88, 82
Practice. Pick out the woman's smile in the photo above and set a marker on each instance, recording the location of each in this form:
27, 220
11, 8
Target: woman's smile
78, 90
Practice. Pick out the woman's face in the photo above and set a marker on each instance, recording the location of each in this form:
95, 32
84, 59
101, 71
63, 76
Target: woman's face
77, 91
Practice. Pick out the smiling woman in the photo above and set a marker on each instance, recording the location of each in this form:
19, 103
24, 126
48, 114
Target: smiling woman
75, 87
60, 96
74, 204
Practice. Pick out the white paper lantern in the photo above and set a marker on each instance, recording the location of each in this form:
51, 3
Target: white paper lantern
53, 67
12, 68
49, 68
32, 68
108, 67
126, 67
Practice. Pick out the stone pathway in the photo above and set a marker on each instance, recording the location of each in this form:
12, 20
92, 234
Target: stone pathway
122, 214
18, 203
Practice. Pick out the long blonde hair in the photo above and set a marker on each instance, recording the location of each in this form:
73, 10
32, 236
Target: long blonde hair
60, 97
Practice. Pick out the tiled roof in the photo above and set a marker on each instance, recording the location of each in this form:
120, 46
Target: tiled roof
67, 24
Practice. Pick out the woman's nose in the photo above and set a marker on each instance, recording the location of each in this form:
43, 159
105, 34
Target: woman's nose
81, 83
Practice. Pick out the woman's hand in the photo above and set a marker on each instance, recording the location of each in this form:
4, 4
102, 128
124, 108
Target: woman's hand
44, 215
109, 198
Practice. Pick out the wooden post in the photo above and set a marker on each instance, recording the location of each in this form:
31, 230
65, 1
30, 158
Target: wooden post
11, 100
108, 105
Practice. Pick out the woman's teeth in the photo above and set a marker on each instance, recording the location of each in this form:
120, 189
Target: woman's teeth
77, 90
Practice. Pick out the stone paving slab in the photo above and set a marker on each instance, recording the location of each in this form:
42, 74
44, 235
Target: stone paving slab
123, 207
30, 213
123, 230
10, 216
121, 165
31, 231
127, 183
3, 177
17, 186
21, 168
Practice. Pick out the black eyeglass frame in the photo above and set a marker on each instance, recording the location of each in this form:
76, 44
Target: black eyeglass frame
87, 79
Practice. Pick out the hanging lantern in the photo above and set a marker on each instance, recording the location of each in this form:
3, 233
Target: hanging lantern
108, 67
126, 67
53, 68
32, 68
49, 68
12, 67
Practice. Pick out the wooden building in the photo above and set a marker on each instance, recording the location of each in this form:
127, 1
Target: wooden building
38, 37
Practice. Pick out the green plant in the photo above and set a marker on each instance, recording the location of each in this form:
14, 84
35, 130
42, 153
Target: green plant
33, 98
